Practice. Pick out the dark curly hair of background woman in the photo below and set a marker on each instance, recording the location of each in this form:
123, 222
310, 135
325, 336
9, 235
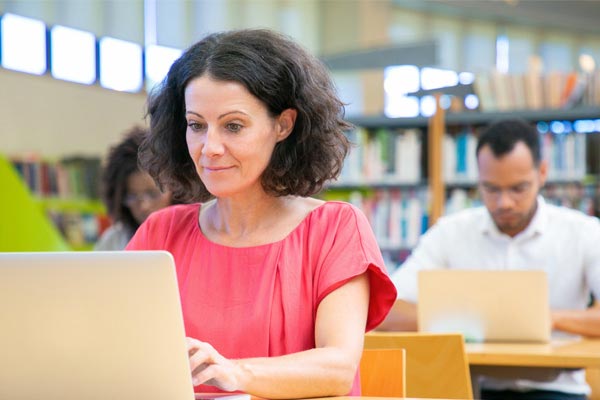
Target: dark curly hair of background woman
122, 161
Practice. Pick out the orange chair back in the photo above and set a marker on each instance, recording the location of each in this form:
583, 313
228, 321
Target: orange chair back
436, 363
382, 373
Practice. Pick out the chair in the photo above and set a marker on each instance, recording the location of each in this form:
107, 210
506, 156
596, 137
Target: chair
592, 376
382, 373
436, 364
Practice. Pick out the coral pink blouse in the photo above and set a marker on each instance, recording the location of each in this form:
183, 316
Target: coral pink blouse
262, 300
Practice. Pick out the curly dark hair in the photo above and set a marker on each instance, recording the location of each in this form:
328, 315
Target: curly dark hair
282, 75
122, 161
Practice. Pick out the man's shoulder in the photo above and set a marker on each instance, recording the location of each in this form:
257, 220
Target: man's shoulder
562, 215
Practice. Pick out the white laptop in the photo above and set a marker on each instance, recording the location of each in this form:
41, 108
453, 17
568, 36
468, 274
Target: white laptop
91, 325
504, 306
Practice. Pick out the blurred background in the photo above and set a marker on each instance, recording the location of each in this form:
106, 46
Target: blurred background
74, 75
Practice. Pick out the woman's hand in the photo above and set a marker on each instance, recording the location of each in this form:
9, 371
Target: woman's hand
211, 368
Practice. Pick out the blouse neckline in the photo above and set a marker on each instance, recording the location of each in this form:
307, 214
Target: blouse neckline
258, 246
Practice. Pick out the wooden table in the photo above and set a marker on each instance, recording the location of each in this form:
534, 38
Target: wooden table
560, 353
536, 361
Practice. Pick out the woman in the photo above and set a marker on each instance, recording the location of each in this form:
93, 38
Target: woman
130, 194
277, 288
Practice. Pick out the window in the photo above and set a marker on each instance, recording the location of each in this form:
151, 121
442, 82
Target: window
73, 55
399, 80
158, 61
120, 65
23, 44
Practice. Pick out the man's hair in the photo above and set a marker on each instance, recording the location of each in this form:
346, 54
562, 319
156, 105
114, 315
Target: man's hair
279, 73
502, 136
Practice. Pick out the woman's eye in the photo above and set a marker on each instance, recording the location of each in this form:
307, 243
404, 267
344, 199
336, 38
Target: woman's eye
233, 127
195, 126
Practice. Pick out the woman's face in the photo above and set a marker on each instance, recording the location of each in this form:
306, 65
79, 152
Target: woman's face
143, 197
230, 135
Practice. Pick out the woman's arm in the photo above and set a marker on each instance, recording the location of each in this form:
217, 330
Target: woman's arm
327, 370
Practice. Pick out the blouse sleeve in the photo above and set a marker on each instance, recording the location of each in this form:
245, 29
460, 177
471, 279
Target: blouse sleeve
349, 249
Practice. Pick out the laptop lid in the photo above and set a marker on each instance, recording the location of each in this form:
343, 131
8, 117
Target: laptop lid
506, 305
91, 325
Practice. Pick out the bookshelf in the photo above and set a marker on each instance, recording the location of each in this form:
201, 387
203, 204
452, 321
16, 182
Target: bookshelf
479, 118
25, 226
64, 194
572, 181
572, 154
79, 220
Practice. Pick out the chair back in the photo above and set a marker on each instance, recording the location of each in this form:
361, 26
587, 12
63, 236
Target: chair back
592, 376
382, 373
436, 363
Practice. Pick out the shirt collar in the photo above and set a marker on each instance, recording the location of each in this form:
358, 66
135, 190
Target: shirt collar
536, 226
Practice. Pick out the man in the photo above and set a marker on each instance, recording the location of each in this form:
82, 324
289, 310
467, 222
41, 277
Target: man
515, 229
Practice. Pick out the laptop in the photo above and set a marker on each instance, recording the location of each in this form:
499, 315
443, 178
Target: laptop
91, 325
485, 306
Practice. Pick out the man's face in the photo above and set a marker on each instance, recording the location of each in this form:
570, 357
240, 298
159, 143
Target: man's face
509, 186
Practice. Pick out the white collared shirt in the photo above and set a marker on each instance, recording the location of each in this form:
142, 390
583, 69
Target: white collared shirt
563, 242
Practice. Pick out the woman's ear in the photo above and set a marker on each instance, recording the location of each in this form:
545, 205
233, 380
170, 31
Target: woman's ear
285, 123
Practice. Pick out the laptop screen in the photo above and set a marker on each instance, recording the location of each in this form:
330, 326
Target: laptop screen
92, 325
505, 305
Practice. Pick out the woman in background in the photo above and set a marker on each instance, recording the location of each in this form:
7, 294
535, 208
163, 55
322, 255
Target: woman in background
277, 287
129, 193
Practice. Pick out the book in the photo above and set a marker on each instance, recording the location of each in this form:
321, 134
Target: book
503, 91
554, 83
483, 89
534, 83
517, 88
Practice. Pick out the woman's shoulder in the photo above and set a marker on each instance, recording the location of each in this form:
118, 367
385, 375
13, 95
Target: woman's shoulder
338, 210
176, 209
333, 217
167, 225
178, 213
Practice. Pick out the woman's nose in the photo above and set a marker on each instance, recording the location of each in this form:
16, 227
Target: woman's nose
213, 144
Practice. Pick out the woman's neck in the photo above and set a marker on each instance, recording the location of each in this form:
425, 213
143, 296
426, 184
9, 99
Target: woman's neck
237, 221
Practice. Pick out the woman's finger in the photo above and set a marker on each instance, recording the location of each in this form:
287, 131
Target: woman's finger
192, 345
216, 375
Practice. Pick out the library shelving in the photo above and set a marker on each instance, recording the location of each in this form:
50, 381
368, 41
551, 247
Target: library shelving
442, 148
570, 144
80, 220
25, 226
480, 118
64, 194
383, 175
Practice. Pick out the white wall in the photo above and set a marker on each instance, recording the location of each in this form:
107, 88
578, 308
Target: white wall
57, 118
